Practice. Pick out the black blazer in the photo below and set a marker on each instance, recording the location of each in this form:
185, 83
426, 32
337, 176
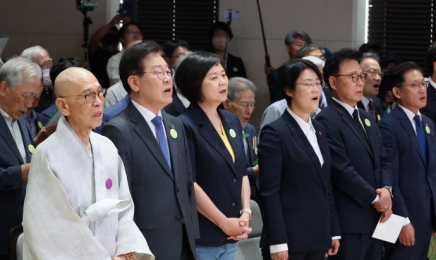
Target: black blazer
358, 168
12, 188
378, 107
235, 67
252, 158
164, 198
430, 109
176, 108
298, 207
213, 168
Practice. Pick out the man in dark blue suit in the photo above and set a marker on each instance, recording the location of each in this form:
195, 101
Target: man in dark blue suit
241, 102
360, 175
409, 138
20, 84
430, 108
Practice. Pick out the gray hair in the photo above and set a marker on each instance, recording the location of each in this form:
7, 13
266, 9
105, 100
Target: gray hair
306, 49
17, 70
33, 53
238, 84
315, 60
290, 37
180, 59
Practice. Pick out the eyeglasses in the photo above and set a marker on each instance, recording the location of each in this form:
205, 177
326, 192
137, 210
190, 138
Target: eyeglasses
417, 86
311, 86
33, 97
91, 96
133, 33
355, 76
246, 104
373, 73
46, 64
160, 74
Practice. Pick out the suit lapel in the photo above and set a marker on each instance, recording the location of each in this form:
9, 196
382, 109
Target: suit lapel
144, 132
9, 139
305, 145
172, 142
428, 137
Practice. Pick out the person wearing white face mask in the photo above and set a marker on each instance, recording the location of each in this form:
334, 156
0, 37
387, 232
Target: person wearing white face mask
41, 57
220, 34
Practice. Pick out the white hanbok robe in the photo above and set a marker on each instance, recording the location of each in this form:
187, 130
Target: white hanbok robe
78, 204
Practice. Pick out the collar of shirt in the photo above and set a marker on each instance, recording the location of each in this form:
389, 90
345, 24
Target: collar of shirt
365, 102
307, 127
185, 101
432, 82
148, 116
411, 116
7, 117
347, 107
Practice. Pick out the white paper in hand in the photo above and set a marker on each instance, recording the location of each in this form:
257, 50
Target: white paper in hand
390, 230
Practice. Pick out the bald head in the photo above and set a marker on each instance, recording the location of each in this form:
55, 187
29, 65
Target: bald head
70, 79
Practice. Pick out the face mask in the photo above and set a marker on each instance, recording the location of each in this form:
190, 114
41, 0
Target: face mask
46, 81
219, 43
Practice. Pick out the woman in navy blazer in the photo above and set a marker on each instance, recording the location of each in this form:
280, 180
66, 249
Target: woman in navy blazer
217, 155
298, 209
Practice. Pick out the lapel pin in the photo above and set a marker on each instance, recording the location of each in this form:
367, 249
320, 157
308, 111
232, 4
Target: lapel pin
232, 133
173, 133
31, 148
40, 124
171, 126
255, 150
378, 117
427, 129
320, 133
235, 69
367, 122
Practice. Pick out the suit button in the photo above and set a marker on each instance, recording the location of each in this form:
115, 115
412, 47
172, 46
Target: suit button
233, 204
234, 180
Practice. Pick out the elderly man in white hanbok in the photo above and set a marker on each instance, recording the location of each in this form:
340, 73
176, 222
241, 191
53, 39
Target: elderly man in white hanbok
78, 204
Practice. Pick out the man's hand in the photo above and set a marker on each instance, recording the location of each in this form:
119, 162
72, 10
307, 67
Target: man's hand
256, 170
44, 133
25, 171
116, 20
126, 19
283, 255
334, 249
407, 235
385, 202
268, 69
386, 215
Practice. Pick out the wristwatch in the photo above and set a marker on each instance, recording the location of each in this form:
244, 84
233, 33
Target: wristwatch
390, 190
249, 211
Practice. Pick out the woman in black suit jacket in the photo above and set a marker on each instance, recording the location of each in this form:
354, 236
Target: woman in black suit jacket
298, 208
217, 155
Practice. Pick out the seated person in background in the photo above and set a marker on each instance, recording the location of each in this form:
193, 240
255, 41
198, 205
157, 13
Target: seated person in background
117, 92
310, 50
241, 102
40, 56
389, 102
81, 178
103, 44
130, 32
276, 109
219, 35
370, 50
293, 42
173, 49
58, 67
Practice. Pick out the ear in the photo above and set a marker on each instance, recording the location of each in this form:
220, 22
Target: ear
63, 106
434, 66
4, 88
332, 82
133, 81
289, 92
288, 48
226, 104
396, 92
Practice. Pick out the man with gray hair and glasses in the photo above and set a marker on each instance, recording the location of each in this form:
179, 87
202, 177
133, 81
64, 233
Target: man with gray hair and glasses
20, 84
241, 102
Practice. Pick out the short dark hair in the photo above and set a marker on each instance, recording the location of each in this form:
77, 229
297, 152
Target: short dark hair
65, 63
132, 60
170, 46
395, 77
191, 73
290, 37
291, 71
219, 26
306, 49
332, 65
430, 58
123, 29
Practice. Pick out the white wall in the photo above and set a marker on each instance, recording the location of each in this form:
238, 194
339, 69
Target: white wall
330, 23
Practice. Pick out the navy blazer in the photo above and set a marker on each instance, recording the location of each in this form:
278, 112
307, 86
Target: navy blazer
430, 109
164, 197
358, 168
414, 178
252, 158
298, 207
213, 168
112, 111
12, 187
378, 107
176, 107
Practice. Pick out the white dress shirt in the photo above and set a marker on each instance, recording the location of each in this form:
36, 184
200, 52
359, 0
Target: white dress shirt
148, 116
16, 134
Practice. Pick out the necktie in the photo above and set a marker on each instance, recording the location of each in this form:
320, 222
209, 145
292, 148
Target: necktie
157, 121
371, 109
421, 136
360, 126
